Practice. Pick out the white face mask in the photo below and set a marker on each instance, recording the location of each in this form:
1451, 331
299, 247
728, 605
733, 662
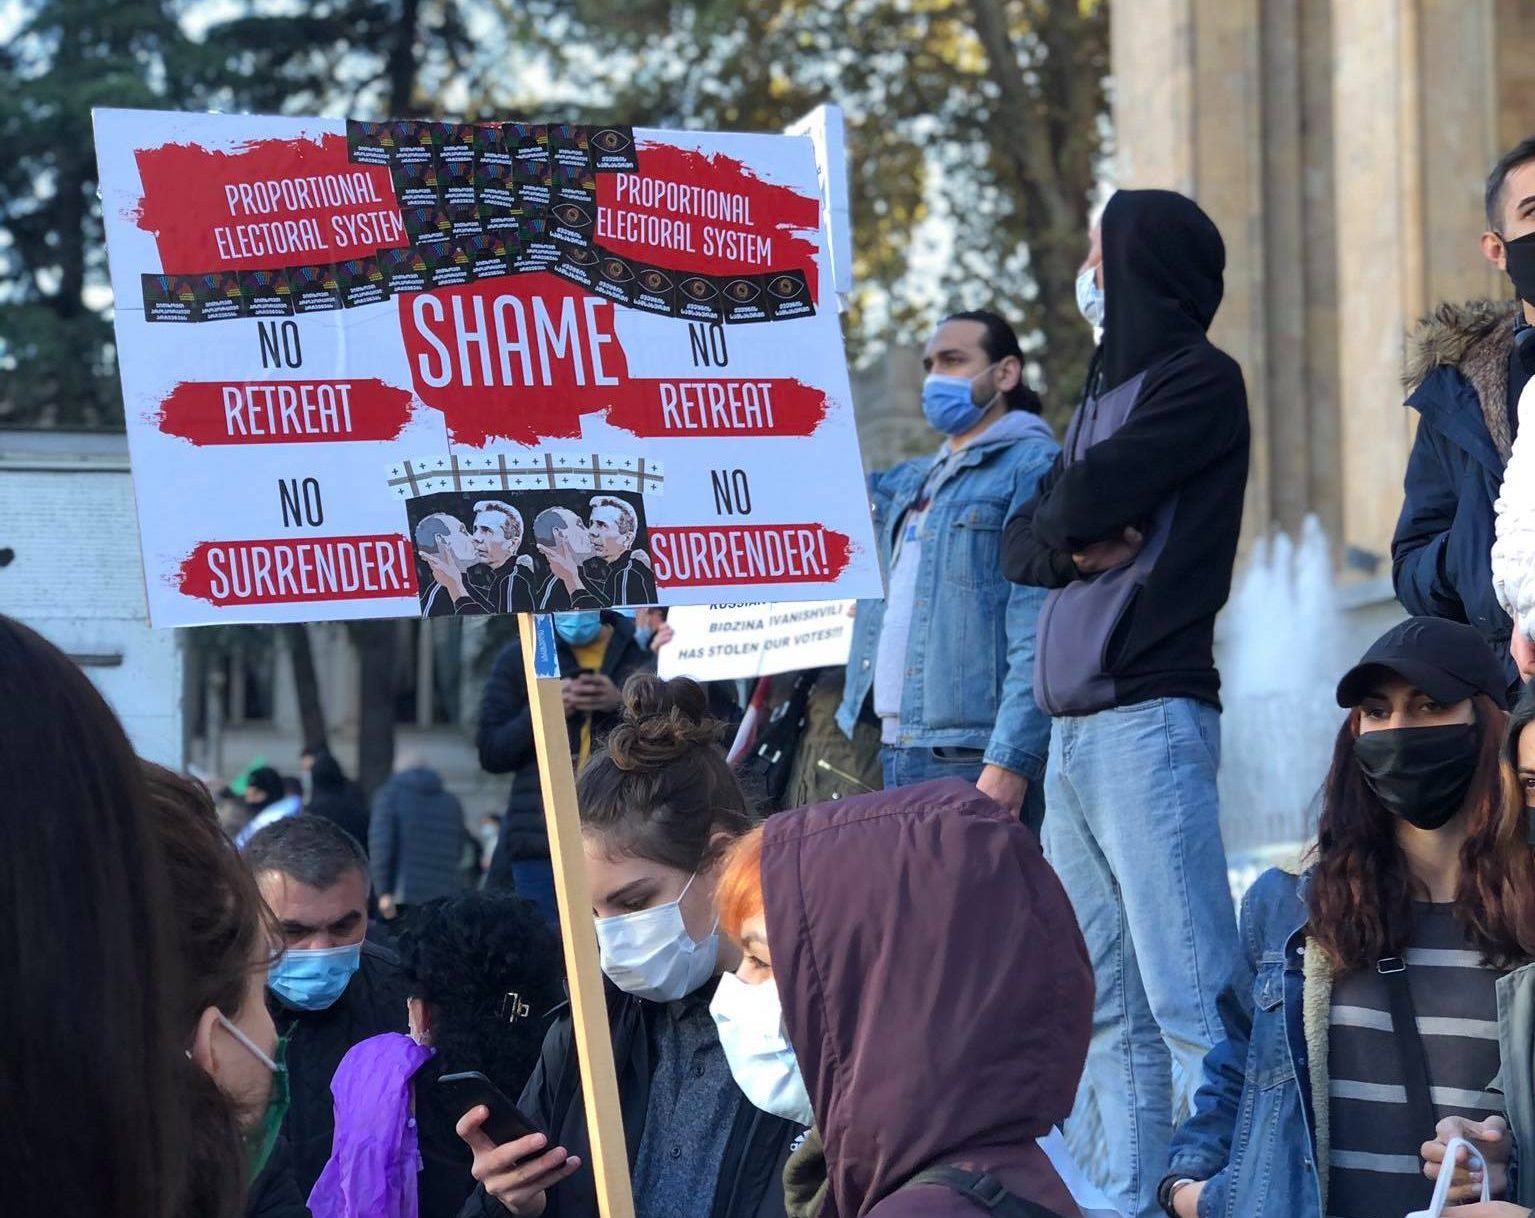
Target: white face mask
750, 1022
1090, 296
651, 955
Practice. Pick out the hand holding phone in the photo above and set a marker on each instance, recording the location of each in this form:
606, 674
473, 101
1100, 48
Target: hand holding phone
515, 1174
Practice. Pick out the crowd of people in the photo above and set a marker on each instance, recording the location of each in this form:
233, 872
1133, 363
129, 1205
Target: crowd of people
890, 1000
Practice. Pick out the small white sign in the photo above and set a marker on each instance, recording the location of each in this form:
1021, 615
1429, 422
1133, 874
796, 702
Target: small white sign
725, 642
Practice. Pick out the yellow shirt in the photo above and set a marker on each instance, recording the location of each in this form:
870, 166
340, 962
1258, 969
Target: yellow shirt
589, 655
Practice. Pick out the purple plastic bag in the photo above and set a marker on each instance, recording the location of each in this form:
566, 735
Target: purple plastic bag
374, 1158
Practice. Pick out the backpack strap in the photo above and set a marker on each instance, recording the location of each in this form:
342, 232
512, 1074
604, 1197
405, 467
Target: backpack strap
981, 1189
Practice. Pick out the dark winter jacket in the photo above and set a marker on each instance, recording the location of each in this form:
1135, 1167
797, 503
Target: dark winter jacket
506, 738
751, 1179
925, 1039
418, 843
336, 799
374, 1002
1457, 381
1159, 445
275, 1192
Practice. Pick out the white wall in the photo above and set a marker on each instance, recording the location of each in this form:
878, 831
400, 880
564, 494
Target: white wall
75, 577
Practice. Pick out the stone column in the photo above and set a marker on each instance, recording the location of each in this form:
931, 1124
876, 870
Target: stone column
1414, 128
1341, 146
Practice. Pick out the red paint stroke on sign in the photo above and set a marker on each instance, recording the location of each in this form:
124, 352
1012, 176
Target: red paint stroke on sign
265, 204
687, 211
284, 412
520, 359
706, 556
722, 407
289, 570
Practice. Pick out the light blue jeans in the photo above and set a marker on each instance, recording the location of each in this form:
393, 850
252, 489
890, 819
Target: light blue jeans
908, 767
1134, 833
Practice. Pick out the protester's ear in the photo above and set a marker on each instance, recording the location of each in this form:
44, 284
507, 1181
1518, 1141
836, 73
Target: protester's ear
1493, 251
719, 846
202, 1051
1008, 373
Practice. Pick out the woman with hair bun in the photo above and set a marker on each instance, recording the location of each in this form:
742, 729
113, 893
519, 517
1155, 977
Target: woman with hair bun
659, 808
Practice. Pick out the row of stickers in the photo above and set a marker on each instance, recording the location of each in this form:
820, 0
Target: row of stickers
480, 201
283, 292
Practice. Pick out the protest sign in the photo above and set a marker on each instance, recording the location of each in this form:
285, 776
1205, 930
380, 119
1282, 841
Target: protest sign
378, 369
724, 642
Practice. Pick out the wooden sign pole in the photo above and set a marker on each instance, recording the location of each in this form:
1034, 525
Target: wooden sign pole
588, 1003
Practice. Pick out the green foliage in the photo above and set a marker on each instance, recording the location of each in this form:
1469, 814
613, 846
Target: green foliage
984, 117
66, 57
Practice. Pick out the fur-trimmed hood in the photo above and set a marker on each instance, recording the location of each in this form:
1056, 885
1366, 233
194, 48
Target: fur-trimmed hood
1475, 339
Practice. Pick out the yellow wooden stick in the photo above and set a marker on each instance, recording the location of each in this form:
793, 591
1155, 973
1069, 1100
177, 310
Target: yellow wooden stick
588, 1003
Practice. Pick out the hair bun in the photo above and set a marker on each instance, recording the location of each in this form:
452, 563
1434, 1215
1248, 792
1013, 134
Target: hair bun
663, 720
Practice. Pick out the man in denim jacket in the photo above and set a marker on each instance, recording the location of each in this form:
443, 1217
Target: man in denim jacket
945, 663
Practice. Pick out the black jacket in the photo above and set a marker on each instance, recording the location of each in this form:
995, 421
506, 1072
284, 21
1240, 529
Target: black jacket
373, 1003
337, 799
417, 844
506, 738
275, 1192
1175, 469
1457, 381
751, 1177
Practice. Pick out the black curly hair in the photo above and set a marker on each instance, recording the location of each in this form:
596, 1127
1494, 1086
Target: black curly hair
463, 956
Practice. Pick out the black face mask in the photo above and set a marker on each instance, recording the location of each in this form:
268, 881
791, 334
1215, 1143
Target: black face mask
1420, 773
1520, 253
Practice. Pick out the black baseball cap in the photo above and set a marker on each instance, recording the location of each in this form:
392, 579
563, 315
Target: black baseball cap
1449, 661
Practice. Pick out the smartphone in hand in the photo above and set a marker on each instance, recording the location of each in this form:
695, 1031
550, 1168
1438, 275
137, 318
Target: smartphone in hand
471, 1089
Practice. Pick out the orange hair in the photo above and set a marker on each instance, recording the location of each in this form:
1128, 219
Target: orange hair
738, 895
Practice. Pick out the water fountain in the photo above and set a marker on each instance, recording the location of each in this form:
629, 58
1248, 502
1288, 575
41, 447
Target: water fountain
1282, 643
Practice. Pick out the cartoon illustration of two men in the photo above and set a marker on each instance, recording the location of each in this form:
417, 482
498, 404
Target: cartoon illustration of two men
592, 564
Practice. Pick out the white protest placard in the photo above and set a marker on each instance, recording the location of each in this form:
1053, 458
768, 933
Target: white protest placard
726, 642
388, 369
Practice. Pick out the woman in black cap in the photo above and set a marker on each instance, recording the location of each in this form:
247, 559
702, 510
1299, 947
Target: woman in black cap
1375, 988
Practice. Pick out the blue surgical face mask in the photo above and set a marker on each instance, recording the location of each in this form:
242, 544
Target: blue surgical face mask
311, 979
750, 1023
643, 635
949, 402
1090, 297
578, 628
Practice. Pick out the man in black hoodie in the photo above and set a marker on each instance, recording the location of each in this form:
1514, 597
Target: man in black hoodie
1135, 531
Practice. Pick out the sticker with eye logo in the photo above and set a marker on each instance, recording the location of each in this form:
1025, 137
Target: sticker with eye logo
577, 263
572, 222
654, 290
788, 295
745, 299
613, 149
699, 299
616, 278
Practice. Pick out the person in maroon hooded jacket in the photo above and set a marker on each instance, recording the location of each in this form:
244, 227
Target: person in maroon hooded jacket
913, 976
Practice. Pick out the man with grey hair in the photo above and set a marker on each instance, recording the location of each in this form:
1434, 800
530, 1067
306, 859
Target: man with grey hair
331, 988
441, 538
566, 544
624, 575
499, 580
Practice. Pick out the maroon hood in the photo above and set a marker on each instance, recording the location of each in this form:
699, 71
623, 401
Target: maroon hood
935, 986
